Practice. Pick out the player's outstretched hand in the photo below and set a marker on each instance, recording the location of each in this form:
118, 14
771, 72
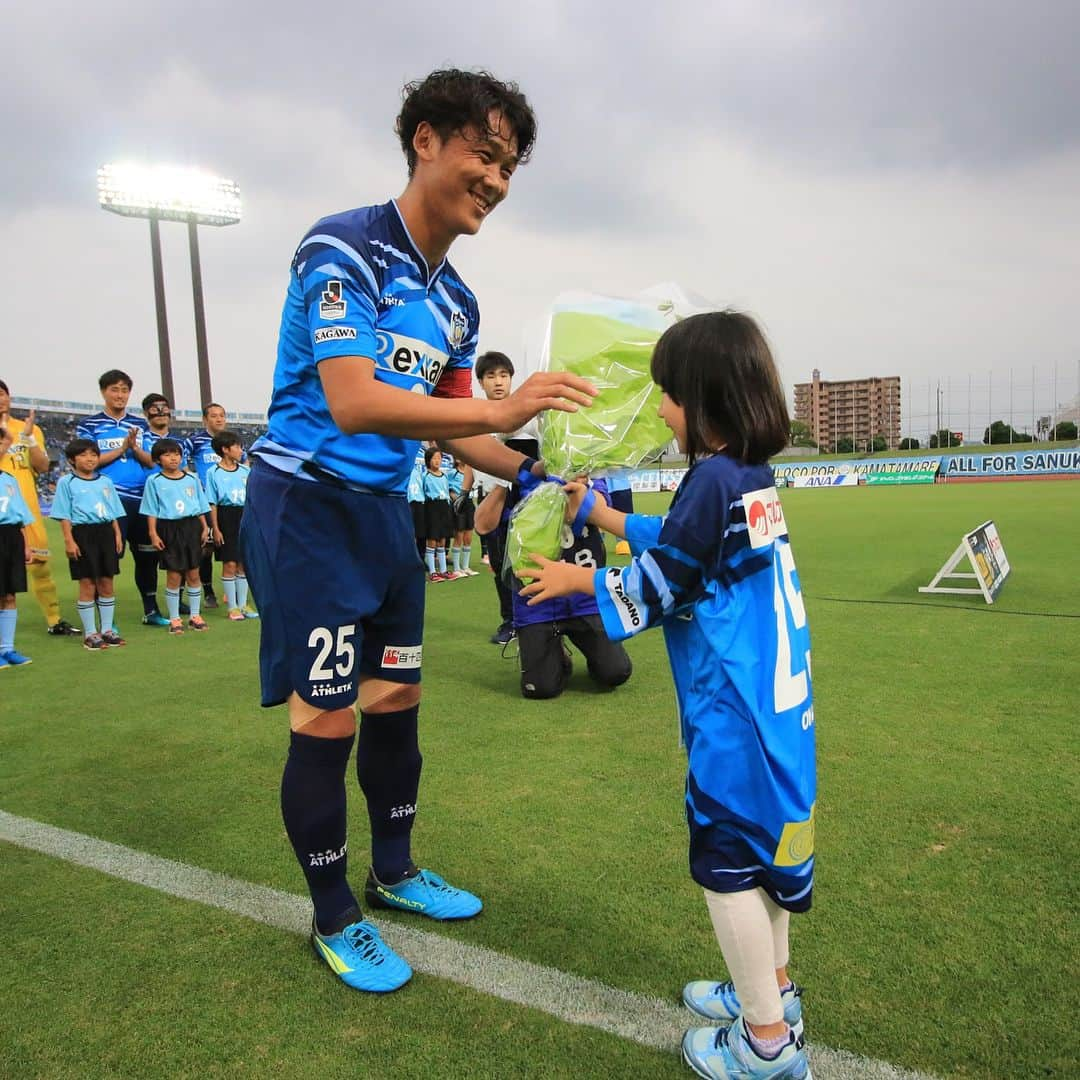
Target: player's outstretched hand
545, 390
552, 578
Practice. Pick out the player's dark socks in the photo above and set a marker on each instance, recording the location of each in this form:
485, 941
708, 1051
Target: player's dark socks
313, 809
388, 763
346, 918
146, 579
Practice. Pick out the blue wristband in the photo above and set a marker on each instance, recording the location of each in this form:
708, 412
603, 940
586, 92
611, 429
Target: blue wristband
581, 518
525, 478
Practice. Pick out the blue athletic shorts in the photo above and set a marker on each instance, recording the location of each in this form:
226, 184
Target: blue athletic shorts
339, 584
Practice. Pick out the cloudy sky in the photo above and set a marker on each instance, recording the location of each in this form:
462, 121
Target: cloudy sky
891, 187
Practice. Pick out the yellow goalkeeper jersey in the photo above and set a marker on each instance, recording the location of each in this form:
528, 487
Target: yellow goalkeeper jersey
17, 462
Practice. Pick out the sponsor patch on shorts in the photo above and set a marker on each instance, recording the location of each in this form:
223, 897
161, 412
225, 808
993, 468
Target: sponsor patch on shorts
401, 656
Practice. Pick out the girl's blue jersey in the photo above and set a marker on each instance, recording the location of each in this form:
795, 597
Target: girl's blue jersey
227, 487
718, 573
86, 502
173, 498
436, 487
13, 508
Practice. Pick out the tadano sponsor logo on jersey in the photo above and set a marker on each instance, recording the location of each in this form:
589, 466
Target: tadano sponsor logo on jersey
628, 613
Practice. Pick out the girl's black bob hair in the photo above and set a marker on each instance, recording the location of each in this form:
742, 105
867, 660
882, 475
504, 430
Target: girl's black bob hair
718, 367
429, 453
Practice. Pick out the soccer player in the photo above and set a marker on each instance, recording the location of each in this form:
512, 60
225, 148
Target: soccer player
25, 459
717, 572
226, 491
118, 436
200, 456
495, 372
377, 341
88, 509
176, 508
15, 556
542, 629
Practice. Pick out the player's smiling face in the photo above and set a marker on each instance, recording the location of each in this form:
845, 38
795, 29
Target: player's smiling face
215, 420
116, 397
469, 174
86, 462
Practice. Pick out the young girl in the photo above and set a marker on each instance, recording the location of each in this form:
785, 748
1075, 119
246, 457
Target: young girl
175, 507
438, 514
717, 572
226, 492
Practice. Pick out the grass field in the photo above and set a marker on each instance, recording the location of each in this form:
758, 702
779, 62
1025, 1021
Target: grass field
944, 924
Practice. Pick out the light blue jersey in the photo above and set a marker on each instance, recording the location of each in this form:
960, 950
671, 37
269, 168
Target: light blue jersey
719, 575
227, 487
415, 490
13, 508
171, 498
108, 433
151, 437
86, 502
360, 287
436, 487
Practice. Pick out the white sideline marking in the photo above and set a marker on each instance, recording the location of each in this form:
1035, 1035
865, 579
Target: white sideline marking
649, 1021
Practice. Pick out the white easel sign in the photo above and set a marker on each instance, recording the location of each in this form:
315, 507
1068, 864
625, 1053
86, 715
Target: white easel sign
985, 554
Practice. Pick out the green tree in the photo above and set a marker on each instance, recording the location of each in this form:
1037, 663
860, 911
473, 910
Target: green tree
879, 443
844, 445
1065, 430
909, 444
998, 432
943, 438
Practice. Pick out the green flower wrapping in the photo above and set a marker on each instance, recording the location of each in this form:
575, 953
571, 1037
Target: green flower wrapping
620, 430
536, 524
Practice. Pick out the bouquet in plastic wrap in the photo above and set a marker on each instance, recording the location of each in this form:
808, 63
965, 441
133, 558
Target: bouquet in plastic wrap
536, 525
610, 342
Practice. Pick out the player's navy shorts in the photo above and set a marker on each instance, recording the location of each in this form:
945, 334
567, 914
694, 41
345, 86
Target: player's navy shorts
339, 584
12, 560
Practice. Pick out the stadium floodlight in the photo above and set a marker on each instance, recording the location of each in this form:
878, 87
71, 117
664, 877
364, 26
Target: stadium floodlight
171, 193
168, 193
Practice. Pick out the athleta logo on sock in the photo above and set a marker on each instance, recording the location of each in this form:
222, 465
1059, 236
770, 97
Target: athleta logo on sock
402, 656
407, 810
325, 858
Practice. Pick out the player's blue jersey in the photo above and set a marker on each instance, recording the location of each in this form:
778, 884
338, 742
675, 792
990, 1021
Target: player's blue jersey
151, 437
13, 508
436, 487
415, 490
200, 454
86, 502
718, 573
585, 550
173, 498
108, 433
227, 487
359, 286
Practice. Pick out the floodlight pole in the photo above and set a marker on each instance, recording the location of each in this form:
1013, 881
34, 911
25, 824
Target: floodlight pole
205, 393
164, 353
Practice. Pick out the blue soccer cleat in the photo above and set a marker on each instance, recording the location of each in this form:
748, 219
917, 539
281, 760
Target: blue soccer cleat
726, 1054
718, 1002
4, 665
15, 659
361, 959
155, 618
423, 893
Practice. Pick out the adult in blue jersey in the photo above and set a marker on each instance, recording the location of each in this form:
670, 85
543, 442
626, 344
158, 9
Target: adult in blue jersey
377, 340
718, 574
119, 436
200, 455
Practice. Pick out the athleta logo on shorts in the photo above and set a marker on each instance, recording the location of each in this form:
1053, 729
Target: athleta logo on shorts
332, 306
764, 517
330, 691
324, 858
335, 333
402, 656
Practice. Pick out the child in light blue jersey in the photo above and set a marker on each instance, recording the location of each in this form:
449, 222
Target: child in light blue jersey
15, 555
175, 507
89, 511
718, 574
226, 492
438, 514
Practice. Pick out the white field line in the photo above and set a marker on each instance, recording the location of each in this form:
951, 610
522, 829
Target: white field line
649, 1021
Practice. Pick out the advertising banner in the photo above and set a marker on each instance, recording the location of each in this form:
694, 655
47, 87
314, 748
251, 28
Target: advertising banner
847, 479
866, 467
1010, 461
908, 477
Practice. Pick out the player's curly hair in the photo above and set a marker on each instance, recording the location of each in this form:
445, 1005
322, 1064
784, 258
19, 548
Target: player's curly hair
719, 368
452, 100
